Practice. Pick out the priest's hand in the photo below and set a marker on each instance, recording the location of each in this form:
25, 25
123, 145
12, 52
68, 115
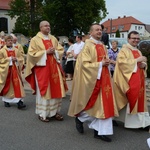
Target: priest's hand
141, 59
50, 50
143, 65
112, 62
105, 62
14, 59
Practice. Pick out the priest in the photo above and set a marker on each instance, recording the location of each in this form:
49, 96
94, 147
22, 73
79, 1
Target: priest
11, 85
45, 75
92, 97
129, 85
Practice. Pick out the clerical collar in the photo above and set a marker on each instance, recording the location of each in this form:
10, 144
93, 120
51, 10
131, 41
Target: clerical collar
96, 41
9, 47
133, 48
46, 37
14, 44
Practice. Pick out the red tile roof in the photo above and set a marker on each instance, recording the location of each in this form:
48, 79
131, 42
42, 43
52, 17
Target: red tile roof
4, 4
123, 23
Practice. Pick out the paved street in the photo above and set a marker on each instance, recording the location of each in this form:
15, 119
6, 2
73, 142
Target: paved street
21, 130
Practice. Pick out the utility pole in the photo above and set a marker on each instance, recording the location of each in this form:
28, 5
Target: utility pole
32, 13
110, 27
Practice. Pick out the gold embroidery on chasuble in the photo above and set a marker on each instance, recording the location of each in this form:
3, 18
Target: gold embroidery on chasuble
107, 89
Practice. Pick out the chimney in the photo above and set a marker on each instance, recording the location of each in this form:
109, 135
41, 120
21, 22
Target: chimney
118, 17
124, 16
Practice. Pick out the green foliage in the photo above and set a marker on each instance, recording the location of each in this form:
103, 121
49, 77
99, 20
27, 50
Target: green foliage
67, 15
21, 10
63, 15
118, 33
25, 48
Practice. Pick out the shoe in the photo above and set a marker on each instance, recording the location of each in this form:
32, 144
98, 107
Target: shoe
115, 123
68, 79
79, 125
21, 105
44, 120
102, 137
145, 129
6, 104
58, 117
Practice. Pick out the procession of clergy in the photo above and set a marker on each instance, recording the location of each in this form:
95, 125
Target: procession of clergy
96, 97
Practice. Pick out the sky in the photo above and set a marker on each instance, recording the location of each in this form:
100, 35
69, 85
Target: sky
139, 9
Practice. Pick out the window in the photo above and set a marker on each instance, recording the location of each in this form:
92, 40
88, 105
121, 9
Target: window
139, 27
122, 35
4, 24
135, 27
113, 28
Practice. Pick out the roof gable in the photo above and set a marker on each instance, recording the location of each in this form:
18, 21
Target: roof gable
4, 4
123, 24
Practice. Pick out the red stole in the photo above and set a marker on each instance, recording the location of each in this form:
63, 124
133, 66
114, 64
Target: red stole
135, 94
103, 84
48, 75
12, 76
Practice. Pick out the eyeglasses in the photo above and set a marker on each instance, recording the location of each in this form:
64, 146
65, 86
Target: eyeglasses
135, 38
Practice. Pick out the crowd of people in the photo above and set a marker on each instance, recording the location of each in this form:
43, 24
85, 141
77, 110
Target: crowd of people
108, 84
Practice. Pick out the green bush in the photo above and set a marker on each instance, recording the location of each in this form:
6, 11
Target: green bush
25, 48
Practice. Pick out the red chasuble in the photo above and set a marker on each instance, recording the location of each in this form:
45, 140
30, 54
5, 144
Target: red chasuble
48, 75
104, 84
135, 94
12, 76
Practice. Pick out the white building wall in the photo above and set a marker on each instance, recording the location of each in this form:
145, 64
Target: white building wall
146, 34
139, 28
11, 22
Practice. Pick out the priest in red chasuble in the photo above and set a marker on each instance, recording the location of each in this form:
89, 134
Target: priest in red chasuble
129, 84
11, 86
17, 45
45, 75
92, 97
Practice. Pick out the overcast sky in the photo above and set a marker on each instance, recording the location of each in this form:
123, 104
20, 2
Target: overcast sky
139, 9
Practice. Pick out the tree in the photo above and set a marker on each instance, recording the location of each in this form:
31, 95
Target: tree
27, 14
67, 15
118, 33
63, 15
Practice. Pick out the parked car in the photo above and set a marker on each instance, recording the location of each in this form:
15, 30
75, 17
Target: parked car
121, 41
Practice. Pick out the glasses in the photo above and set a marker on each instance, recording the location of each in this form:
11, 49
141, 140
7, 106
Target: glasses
135, 38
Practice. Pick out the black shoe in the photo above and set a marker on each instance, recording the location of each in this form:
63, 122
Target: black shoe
115, 123
21, 105
102, 137
145, 129
79, 125
6, 104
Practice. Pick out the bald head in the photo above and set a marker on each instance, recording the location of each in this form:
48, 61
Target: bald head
14, 38
42, 23
44, 27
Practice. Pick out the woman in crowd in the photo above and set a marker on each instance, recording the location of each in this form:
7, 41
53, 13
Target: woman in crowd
69, 62
112, 53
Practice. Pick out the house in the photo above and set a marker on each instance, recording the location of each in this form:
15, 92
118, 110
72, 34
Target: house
124, 25
6, 23
147, 31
